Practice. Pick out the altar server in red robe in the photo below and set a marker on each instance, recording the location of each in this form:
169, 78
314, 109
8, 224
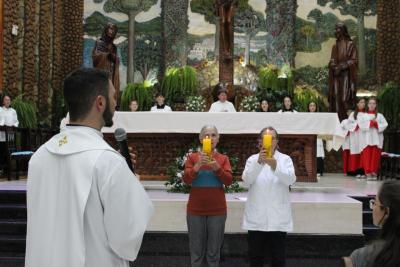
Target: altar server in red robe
372, 124
356, 141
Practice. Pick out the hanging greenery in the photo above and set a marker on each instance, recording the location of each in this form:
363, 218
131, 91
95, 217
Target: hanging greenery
304, 94
179, 83
274, 84
389, 104
139, 92
26, 112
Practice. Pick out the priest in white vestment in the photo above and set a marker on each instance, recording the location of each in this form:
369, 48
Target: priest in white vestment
85, 207
222, 105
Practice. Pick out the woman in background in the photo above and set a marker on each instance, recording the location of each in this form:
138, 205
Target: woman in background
384, 252
287, 105
264, 105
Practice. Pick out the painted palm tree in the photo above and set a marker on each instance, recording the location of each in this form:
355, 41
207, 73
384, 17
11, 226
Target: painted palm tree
131, 8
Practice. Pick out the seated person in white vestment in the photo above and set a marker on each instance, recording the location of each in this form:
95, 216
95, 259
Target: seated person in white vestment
222, 105
8, 117
160, 105
287, 105
85, 207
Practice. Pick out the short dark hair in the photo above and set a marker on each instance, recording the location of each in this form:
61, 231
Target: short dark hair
81, 87
159, 94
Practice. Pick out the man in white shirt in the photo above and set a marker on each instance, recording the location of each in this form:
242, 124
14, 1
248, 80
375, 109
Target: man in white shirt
160, 105
8, 117
85, 207
267, 214
222, 105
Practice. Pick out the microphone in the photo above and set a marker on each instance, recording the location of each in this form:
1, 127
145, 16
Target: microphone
120, 136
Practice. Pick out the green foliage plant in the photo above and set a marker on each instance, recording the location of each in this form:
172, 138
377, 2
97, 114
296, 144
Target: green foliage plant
26, 112
389, 104
179, 83
139, 92
304, 94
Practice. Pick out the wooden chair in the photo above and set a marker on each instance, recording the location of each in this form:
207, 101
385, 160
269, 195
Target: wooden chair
13, 150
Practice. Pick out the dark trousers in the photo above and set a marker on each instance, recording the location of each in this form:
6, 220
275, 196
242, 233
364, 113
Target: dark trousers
3, 155
320, 165
272, 244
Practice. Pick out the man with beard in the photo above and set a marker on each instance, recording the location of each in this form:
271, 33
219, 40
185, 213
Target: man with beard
342, 73
85, 207
104, 55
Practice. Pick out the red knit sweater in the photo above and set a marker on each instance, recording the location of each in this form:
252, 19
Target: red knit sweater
207, 200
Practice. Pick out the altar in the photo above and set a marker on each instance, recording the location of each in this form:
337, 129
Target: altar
158, 138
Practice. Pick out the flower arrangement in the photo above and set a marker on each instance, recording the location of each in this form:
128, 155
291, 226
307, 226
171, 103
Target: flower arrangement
249, 104
195, 104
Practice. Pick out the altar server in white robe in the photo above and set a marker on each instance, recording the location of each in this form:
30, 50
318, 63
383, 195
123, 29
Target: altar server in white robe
222, 105
357, 138
267, 213
160, 105
372, 124
85, 207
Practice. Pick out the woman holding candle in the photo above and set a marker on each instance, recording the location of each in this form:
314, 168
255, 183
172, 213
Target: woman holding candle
267, 214
373, 124
207, 172
287, 105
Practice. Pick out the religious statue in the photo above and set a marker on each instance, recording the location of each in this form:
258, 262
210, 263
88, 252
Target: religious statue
342, 73
226, 12
104, 55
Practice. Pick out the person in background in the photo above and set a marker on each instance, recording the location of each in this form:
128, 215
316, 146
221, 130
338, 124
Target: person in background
312, 107
384, 252
222, 105
206, 208
356, 137
85, 207
264, 106
133, 106
346, 143
267, 213
372, 124
8, 117
160, 105
287, 105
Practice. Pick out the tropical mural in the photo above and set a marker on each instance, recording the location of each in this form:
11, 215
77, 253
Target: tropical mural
299, 34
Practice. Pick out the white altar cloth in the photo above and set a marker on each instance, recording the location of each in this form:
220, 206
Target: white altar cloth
325, 125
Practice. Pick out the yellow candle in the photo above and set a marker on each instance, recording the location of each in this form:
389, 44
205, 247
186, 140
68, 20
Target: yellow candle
267, 144
207, 146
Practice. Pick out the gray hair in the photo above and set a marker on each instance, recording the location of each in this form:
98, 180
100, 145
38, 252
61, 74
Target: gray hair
206, 127
268, 128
